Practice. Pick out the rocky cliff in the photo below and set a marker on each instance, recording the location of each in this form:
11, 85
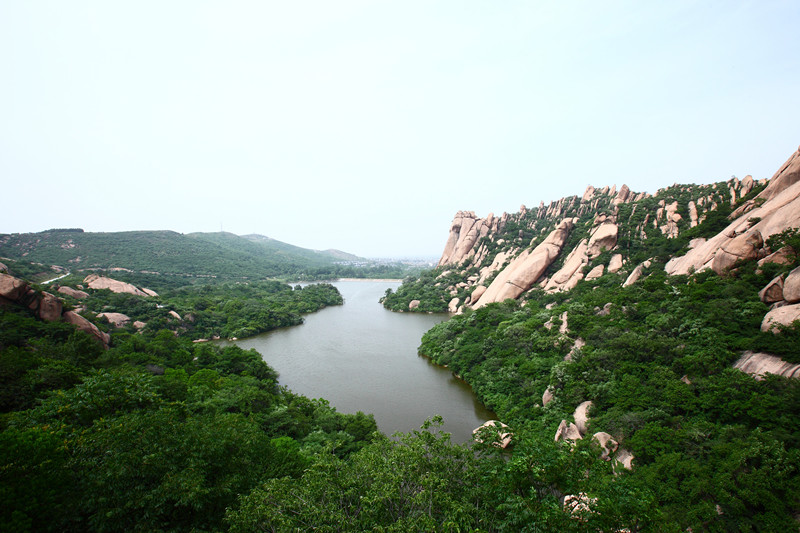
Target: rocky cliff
617, 231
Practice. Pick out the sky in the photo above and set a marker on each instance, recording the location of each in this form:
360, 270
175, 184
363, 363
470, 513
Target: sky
365, 126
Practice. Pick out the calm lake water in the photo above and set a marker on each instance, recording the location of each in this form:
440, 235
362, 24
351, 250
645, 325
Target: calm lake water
361, 357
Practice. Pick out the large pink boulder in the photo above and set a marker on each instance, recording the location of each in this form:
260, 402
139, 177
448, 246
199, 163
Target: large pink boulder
50, 307
791, 286
780, 316
742, 248
12, 288
84, 325
69, 291
773, 292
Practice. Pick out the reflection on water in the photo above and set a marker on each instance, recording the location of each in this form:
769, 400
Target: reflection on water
361, 357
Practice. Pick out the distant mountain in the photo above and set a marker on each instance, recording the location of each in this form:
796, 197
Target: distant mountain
335, 255
220, 255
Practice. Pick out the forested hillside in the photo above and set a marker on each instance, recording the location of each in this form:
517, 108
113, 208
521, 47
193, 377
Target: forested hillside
165, 255
661, 331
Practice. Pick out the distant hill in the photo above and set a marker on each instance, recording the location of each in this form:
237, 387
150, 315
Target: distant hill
219, 255
335, 255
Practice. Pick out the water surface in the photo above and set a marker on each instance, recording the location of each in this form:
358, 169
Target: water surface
361, 357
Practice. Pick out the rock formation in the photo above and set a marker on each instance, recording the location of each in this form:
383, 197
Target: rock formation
101, 282
581, 416
780, 316
791, 286
69, 291
567, 431
46, 306
118, 320
758, 364
84, 325
780, 210
527, 268
496, 429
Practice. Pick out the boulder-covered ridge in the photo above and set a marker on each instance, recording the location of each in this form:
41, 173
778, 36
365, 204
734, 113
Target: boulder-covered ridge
685, 228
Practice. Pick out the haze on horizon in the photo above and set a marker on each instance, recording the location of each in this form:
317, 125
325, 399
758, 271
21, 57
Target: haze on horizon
365, 126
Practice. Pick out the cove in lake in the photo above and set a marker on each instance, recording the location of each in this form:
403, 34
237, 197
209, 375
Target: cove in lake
361, 357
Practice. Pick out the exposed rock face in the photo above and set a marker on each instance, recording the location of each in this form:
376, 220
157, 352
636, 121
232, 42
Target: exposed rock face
581, 416
100, 282
567, 432
503, 437
477, 293
595, 273
780, 210
607, 444
452, 307
625, 458
570, 274
758, 364
413, 304
780, 316
791, 286
12, 288
636, 274
781, 257
50, 307
69, 291
773, 292
547, 396
604, 237
616, 263
84, 325
527, 268
117, 319
465, 231
742, 248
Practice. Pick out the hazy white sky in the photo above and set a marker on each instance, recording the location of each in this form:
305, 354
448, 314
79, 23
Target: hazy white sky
365, 125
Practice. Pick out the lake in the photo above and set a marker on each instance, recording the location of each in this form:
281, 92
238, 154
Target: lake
361, 357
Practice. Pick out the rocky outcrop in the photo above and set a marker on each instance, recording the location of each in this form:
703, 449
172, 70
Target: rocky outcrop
527, 268
780, 316
547, 396
49, 307
604, 237
636, 274
744, 247
791, 286
570, 274
615, 263
773, 292
69, 291
44, 305
607, 445
413, 304
759, 364
496, 430
84, 325
118, 320
567, 431
581, 416
780, 210
452, 307
101, 282
595, 273
465, 231
11, 288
